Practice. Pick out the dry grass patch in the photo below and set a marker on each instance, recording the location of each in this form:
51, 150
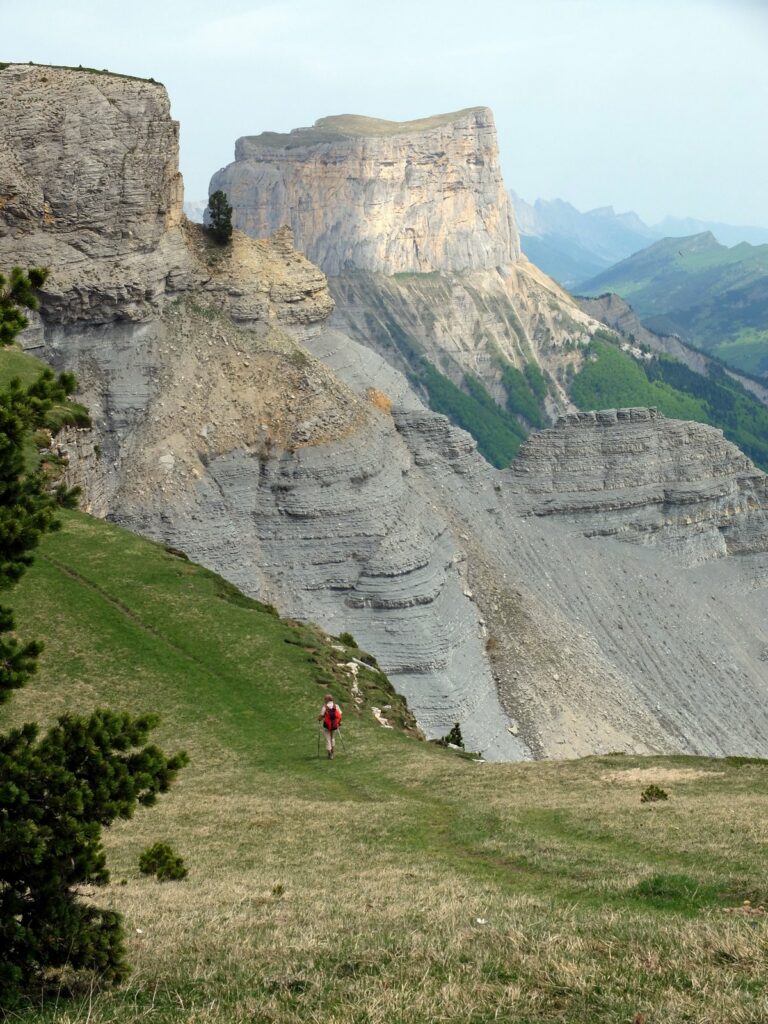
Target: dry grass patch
398, 883
659, 775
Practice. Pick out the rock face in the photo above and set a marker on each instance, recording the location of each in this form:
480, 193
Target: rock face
465, 323
360, 193
89, 178
596, 644
413, 226
233, 421
90, 187
634, 474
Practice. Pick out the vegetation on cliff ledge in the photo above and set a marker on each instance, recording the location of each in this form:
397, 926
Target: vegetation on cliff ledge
612, 378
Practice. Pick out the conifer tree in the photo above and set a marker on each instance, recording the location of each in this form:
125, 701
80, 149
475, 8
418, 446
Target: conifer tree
220, 217
56, 790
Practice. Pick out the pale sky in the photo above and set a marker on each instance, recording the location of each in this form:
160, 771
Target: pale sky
659, 106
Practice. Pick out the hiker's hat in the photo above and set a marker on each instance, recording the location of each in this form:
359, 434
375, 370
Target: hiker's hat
328, 697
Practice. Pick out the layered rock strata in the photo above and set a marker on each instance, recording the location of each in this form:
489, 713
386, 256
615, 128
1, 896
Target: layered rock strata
596, 644
214, 430
413, 226
634, 474
360, 193
89, 184
254, 459
233, 422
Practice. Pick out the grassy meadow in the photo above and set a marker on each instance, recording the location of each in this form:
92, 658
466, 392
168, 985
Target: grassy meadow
400, 882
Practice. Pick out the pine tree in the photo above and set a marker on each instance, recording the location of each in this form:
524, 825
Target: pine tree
219, 217
56, 791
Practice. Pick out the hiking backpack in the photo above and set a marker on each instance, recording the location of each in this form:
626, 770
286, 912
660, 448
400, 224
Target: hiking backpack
332, 717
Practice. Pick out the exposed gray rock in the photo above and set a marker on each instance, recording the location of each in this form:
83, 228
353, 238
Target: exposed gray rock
89, 179
468, 322
90, 188
595, 644
633, 473
311, 475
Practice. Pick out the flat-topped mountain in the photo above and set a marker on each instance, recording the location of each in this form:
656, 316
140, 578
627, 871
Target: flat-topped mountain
413, 225
382, 196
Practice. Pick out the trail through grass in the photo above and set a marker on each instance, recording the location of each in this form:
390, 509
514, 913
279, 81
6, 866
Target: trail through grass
400, 882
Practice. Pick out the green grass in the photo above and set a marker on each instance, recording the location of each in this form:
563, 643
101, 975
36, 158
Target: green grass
714, 297
399, 882
16, 363
611, 378
747, 350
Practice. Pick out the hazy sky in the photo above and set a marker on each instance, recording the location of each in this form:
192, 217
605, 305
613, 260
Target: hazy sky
654, 105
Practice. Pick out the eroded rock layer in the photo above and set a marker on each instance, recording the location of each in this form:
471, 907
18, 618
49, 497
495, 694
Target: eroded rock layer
413, 226
233, 422
360, 193
635, 474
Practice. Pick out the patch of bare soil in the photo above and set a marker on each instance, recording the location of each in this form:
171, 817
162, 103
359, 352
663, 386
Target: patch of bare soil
659, 775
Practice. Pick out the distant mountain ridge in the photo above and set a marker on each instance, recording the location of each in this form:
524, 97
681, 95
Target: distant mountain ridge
712, 296
573, 247
726, 234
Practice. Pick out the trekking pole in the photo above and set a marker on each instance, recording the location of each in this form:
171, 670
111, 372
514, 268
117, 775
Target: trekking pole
343, 744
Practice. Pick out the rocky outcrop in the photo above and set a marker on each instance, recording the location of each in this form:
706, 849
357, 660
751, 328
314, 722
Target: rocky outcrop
413, 225
382, 196
89, 181
596, 644
634, 474
466, 323
252, 457
90, 187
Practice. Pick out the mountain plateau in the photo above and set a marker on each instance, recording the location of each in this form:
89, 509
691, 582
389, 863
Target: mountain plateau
413, 226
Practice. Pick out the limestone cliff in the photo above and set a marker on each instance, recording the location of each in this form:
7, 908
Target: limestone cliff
89, 180
631, 473
416, 232
233, 421
359, 193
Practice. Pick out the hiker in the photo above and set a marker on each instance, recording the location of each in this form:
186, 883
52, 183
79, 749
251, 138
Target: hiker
330, 716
